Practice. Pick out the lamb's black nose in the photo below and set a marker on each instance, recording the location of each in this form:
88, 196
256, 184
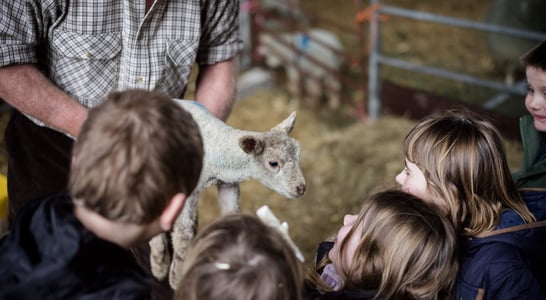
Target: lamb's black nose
300, 189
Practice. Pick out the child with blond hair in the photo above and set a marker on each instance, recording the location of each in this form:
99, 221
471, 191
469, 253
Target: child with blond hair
397, 247
456, 161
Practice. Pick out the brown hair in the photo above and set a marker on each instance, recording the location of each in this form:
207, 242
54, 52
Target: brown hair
136, 150
238, 257
406, 249
535, 57
464, 162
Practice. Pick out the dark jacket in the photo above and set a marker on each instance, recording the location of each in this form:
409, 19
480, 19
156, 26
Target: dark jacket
508, 263
48, 254
311, 293
531, 178
340, 295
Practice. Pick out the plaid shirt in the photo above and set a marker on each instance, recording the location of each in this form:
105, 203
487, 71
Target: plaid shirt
89, 48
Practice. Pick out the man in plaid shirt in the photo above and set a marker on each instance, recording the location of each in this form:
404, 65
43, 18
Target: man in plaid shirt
59, 58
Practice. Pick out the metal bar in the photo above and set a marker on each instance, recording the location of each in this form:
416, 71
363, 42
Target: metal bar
374, 104
423, 16
504, 96
376, 58
361, 60
449, 74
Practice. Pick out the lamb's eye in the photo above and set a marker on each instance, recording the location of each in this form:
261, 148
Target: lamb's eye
273, 164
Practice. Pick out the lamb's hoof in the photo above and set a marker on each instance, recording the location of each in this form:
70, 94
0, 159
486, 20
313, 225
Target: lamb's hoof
174, 272
160, 259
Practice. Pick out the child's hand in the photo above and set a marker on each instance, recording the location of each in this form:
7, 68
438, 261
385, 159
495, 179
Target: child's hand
268, 217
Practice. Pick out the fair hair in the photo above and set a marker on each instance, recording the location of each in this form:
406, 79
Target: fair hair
406, 249
464, 162
135, 151
238, 257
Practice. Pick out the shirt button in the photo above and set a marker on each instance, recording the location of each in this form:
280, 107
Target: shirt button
88, 54
139, 79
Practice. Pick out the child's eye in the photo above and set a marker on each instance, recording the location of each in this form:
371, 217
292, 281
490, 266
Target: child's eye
530, 90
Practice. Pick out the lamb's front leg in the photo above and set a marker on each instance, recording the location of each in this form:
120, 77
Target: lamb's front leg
160, 256
183, 232
228, 197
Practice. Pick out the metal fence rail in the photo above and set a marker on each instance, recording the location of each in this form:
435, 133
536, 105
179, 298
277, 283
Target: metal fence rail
376, 58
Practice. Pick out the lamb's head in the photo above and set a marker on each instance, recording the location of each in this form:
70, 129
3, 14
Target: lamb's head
277, 158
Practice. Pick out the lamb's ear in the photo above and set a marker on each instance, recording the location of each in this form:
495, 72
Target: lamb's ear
288, 124
251, 144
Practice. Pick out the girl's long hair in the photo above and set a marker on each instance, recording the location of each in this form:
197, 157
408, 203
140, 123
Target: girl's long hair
406, 249
463, 159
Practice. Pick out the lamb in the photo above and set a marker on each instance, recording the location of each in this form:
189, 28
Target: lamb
317, 46
231, 156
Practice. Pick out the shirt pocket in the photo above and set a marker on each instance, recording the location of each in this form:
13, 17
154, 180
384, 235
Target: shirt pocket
180, 55
182, 52
86, 66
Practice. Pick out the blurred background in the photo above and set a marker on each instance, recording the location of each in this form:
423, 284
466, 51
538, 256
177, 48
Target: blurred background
359, 74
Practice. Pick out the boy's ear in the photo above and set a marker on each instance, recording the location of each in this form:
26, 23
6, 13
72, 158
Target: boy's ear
171, 212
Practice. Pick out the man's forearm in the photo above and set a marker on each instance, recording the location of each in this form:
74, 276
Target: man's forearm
217, 86
26, 89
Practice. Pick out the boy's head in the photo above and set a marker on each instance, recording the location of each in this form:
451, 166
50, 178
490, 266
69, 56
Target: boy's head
135, 152
535, 57
535, 71
240, 257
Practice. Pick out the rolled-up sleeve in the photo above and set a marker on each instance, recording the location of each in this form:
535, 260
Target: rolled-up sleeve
23, 26
220, 38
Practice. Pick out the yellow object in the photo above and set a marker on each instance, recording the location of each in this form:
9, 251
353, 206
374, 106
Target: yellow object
3, 197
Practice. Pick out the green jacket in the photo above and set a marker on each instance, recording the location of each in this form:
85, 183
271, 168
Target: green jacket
532, 174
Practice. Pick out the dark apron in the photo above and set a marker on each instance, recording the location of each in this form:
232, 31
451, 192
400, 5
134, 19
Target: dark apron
38, 161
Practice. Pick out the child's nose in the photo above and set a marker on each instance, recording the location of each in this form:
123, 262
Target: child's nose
399, 178
349, 219
537, 100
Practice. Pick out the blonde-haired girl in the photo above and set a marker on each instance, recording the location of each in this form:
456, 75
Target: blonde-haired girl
397, 247
456, 160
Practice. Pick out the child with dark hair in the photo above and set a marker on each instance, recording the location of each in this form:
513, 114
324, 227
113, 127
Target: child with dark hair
531, 178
